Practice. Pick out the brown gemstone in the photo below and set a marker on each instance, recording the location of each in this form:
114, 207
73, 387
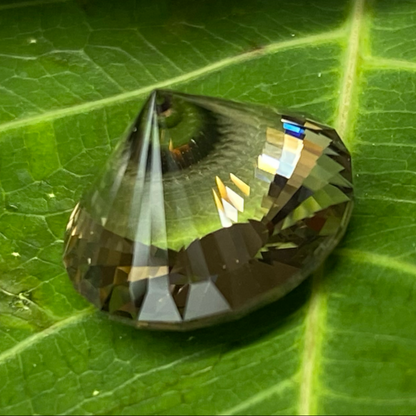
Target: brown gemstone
207, 210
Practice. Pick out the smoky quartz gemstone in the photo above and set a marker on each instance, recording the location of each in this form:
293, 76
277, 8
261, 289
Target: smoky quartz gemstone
206, 210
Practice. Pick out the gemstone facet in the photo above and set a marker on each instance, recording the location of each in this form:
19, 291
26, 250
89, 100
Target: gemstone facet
206, 210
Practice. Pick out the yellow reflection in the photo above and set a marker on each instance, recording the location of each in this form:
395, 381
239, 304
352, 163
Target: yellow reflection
242, 186
268, 164
221, 187
274, 136
292, 150
217, 200
229, 202
73, 223
147, 272
225, 221
292, 144
310, 125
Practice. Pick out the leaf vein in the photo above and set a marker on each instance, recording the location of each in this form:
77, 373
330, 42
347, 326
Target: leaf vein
323, 38
28, 342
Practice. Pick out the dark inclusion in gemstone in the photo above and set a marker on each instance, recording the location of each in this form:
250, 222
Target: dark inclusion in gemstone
207, 210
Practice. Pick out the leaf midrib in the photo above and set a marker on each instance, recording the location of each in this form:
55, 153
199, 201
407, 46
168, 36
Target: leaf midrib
315, 316
316, 312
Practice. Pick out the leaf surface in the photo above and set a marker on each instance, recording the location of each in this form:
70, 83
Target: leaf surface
73, 74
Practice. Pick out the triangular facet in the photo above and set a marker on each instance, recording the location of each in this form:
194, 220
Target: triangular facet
205, 299
158, 304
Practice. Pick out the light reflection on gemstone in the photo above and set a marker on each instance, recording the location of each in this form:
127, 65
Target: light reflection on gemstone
207, 210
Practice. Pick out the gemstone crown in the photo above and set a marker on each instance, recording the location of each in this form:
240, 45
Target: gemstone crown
206, 210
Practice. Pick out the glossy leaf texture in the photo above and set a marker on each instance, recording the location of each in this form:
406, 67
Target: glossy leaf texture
73, 74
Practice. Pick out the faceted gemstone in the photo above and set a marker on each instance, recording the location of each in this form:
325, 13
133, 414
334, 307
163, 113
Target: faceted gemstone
206, 210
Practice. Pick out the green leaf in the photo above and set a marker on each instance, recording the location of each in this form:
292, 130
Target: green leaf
72, 76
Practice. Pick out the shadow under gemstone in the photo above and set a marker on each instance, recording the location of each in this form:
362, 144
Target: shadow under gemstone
234, 334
